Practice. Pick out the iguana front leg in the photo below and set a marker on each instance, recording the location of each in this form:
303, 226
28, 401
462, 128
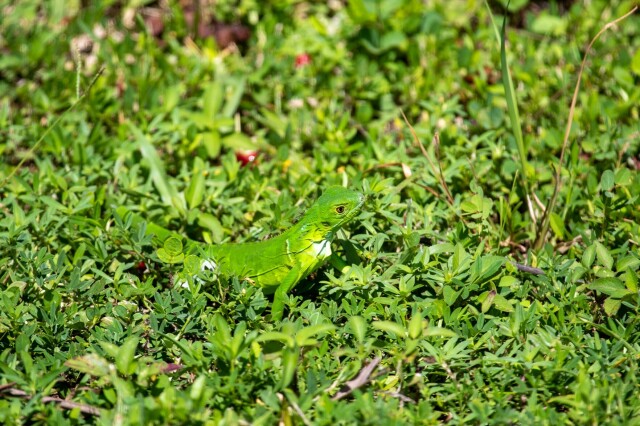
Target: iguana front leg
292, 278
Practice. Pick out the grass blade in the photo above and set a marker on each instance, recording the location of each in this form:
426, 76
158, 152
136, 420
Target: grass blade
514, 116
169, 195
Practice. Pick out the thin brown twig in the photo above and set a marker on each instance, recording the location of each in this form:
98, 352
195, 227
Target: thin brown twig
626, 146
565, 143
62, 403
299, 411
70, 405
436, 139
450, 373
539, 203
406, 170
528, 269
429, 189
361, 379
398, 395
436, 148
9, 385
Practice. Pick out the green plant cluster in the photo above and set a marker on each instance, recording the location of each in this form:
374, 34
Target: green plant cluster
432, 322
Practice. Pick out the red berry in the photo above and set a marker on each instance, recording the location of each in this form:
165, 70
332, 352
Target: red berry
302, 60
246, 156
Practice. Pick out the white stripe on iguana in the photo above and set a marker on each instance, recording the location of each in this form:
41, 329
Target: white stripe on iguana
322, 249
206, 265
288, 249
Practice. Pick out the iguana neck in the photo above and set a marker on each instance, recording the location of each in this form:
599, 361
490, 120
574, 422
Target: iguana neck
310, 228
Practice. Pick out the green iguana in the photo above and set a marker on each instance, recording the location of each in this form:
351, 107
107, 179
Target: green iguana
279, 263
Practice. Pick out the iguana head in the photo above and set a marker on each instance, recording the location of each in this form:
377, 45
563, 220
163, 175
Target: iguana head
335, 207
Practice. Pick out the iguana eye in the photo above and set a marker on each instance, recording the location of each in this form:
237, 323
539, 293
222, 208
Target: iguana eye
340, 209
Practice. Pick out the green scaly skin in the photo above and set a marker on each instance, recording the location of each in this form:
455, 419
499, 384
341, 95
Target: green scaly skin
279, 263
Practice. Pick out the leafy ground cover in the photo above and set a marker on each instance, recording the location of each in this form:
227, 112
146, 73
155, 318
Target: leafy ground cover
226, 126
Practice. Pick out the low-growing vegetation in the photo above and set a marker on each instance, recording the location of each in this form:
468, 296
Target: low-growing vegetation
492, 274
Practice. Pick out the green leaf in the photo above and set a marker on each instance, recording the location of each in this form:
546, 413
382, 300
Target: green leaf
439, 332
167, 191
450, 295
277, 336
502, 304
631, 280
303, 336
548, 24
212, 143
612, 305
233, 92
610, 286
443, 248
393, 39
124, 360
211, 223
635, 63
289, 364
275, 122
459, 256
589, 256
359, 11
358, 327
627, 262
468, 206
166, 258
222, 328
54, 204
239, 142
415, 326
604, 256
173, 246
195, 190
213, 97
192, 264
486, 267
607, 180
198, 387
487, 300
171, 252
91, 364
110, 349
508, 281
27, 362
557, 225
390, 327
624, 177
